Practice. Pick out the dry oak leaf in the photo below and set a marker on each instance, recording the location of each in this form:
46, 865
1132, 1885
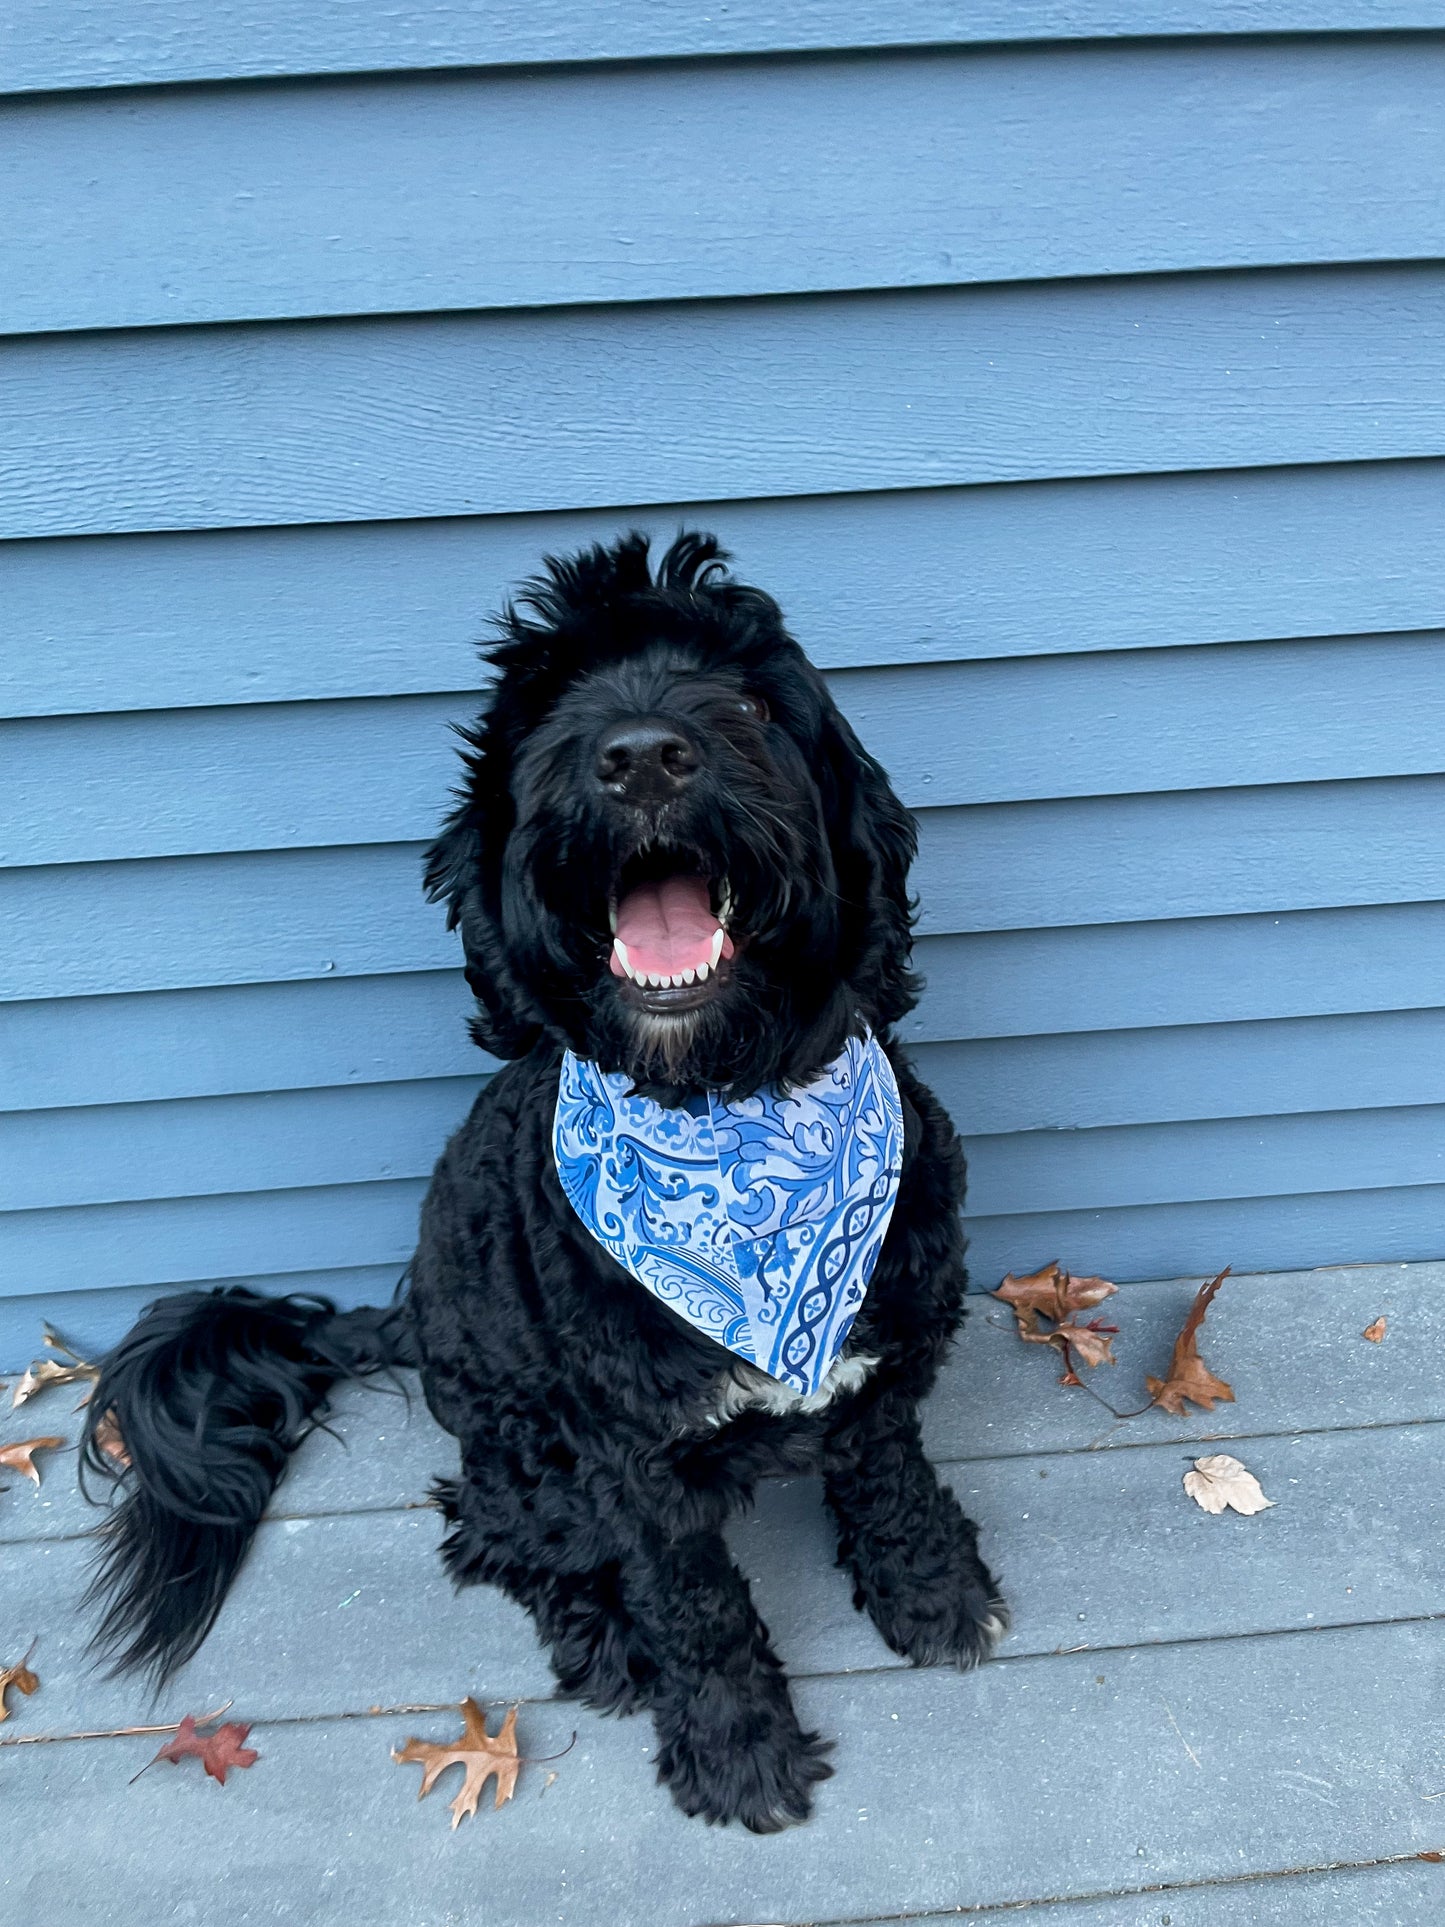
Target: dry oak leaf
1376, 1331
477, 1751
107, 1437
21, 1456
1054, 1292
1093, 1343
50, 1371
1220, 1480
1188, 1376
20, 1677
218, 1752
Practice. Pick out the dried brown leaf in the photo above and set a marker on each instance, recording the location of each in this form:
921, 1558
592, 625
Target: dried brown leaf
481, 1755
1220, 1480
217, 1752
49, 1371
1056, 1295
1091, 1344
20, 1456
1188, 1376
52, 1341
1376, 1331
1054, 1292
107, 1437
20, 1677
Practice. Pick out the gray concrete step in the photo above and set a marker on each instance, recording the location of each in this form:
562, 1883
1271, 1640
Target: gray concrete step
1031, 1779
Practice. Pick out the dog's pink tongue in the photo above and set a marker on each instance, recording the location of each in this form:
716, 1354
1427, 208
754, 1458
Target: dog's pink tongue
667, 927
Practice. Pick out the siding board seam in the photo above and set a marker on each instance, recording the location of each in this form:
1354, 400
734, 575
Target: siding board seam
1155, 25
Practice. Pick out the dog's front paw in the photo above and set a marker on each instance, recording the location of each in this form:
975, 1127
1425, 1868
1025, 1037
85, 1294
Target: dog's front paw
954, 1617
724, 1758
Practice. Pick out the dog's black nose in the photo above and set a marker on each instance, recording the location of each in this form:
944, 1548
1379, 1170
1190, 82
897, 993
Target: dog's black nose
645, 757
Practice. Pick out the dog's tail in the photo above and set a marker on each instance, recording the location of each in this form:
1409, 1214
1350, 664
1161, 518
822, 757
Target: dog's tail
196, 1413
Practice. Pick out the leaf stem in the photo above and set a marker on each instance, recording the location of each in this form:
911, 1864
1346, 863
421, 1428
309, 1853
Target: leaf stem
1084, 1385
541, 1759
112, 1732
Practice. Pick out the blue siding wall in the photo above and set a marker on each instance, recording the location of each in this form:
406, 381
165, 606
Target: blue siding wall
1072, 372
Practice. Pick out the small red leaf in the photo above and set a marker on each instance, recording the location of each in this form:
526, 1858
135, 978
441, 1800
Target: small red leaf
218, 1752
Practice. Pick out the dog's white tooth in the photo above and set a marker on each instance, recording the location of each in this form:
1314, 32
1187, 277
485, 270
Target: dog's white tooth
612, 917
688, 977
717, 944
702, 971
622, 957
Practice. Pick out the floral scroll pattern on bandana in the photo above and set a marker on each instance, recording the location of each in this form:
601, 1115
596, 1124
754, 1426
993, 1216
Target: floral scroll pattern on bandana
758, 1221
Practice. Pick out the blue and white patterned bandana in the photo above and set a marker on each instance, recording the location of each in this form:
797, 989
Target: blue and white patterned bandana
759, 1221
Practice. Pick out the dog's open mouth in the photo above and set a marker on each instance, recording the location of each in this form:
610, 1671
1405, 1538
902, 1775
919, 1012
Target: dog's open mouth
670, 941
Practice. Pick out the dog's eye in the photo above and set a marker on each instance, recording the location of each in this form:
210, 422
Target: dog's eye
753, 706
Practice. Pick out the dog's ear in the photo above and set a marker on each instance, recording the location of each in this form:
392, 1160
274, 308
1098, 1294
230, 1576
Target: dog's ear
463, 870
874, 840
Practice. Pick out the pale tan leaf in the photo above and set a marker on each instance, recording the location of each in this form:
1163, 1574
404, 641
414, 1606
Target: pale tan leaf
49, 1371
1220, 1480
482, 1755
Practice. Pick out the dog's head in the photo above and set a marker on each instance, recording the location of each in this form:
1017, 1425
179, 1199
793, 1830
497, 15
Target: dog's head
670, 851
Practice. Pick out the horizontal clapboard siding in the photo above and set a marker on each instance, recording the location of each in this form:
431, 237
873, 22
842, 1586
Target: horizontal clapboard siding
174, 1240
74, 790
275, 615
176, 921
120, 43
1227, 1158
1044, 1113
150, 1045
273, 1141
311, 1236
1211, 984
494, 413
432, 192
1091, 1175
1184, 1239
1080, 401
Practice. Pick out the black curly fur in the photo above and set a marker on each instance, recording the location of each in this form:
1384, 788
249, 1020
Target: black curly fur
210, 1393
595, 1476
795, 812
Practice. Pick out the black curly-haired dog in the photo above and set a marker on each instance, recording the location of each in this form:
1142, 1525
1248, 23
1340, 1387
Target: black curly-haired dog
643, 728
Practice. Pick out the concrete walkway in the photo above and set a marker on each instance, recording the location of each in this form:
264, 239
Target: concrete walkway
1197, 1721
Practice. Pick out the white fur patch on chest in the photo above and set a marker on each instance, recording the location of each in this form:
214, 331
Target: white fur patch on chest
744, 1388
